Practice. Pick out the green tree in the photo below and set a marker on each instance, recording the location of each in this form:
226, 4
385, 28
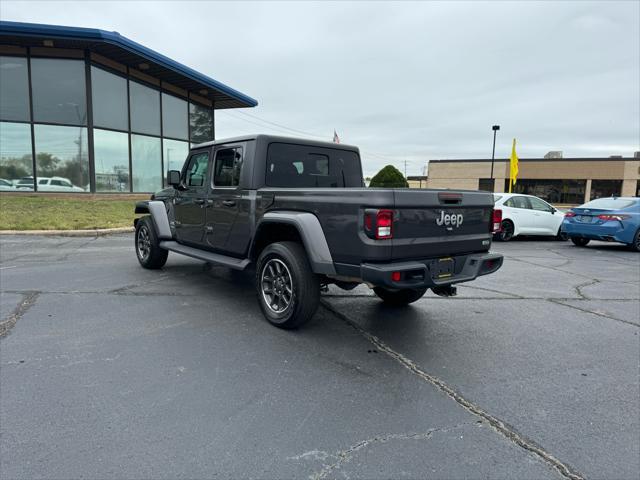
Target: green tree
389, 177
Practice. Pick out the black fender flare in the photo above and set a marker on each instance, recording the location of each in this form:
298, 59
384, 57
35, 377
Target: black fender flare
311, 233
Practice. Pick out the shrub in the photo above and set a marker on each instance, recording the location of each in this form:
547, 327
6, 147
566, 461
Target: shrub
389, 177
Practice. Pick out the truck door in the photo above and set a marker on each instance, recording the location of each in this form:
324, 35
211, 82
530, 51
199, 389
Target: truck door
226, 201
190, 203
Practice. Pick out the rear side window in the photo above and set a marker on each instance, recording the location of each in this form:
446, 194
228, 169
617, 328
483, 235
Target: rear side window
609, 203
306, 166
517, 202
228, 167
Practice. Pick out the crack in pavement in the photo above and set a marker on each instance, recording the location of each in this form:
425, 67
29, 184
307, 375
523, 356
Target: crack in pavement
28, 300
558, 301
578, 288
344, 456
498, 425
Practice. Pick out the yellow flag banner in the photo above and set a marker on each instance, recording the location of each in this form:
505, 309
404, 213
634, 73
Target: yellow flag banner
513, 170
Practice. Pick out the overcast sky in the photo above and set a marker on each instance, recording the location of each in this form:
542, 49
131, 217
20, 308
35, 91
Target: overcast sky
404, 81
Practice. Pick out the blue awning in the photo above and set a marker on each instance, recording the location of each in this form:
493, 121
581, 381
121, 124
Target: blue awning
120, 49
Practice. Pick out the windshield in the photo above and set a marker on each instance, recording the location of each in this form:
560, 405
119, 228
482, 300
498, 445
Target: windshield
609, 203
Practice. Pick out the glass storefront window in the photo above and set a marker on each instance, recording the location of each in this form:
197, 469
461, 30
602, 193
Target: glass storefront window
62, 163
201, 122
553, 191
146, 163
175, 153
145, 109
109, 97
58, 89
175, 121
605, 188
16, 160
14, 89
111, 153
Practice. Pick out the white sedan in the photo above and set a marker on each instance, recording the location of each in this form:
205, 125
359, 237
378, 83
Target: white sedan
527, 215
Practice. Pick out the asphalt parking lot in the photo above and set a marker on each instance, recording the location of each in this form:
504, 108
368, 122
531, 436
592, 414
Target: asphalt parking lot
112, 371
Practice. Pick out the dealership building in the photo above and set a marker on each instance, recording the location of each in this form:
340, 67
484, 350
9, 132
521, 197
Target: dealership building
88, 110
562, 181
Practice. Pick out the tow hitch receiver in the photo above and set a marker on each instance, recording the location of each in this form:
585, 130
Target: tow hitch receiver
445, 291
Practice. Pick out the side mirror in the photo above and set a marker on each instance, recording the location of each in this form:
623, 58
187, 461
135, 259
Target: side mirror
173, 178
553, 210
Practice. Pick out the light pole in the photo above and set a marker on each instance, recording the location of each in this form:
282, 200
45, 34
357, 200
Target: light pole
495, 129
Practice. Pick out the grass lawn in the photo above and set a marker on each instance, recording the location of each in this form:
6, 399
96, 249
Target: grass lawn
32, 212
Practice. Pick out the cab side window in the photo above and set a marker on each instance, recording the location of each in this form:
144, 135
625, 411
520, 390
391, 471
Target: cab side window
517, 202
228, 167
196, 172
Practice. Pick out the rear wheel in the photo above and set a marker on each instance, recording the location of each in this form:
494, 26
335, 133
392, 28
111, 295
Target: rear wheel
148, 250
288, 290
579, 241
507, 232
399, 297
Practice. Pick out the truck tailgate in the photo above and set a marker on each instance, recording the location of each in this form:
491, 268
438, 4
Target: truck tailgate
432, 223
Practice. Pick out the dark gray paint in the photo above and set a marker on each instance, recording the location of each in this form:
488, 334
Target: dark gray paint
332, 217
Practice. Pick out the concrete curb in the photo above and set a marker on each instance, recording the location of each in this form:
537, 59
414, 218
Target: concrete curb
70, 233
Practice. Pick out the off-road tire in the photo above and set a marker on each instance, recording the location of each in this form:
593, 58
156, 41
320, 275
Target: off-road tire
399, 298
507, 231
147, 245
580, 242
282, 266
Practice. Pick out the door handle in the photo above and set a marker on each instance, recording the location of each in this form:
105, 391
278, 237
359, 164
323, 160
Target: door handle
229, 203
199, 201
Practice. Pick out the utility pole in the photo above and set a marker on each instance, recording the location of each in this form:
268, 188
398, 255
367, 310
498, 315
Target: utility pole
495, 129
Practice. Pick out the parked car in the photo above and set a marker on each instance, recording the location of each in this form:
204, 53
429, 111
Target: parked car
57, 184
24, 183
612, 219
527, 215
6, 186
298, 211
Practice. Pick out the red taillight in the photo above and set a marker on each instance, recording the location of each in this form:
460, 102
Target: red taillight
496, 221
570, 214
384, 224
613, 217
396, 276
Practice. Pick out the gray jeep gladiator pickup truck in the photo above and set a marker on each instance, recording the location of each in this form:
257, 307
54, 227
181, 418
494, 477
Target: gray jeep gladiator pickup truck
298, 211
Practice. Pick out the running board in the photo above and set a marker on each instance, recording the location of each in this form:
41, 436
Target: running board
231, 262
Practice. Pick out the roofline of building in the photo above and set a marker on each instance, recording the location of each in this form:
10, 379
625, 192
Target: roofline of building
114, 38
564, 159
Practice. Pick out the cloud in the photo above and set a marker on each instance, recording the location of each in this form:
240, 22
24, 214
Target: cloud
415, 80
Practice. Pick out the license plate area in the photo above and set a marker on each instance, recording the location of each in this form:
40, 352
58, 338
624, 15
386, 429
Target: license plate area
442, 268
585, 218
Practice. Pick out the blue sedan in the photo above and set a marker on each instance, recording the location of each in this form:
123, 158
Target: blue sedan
614, 219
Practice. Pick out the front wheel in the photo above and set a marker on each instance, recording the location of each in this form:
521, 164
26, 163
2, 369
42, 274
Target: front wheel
401, 297
148, 250
579, 241
288, 290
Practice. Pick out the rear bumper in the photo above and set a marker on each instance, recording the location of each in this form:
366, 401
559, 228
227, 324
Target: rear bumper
418, 274
610, 231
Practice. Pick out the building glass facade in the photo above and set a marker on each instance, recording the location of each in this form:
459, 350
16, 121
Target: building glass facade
69, 123
553, 191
